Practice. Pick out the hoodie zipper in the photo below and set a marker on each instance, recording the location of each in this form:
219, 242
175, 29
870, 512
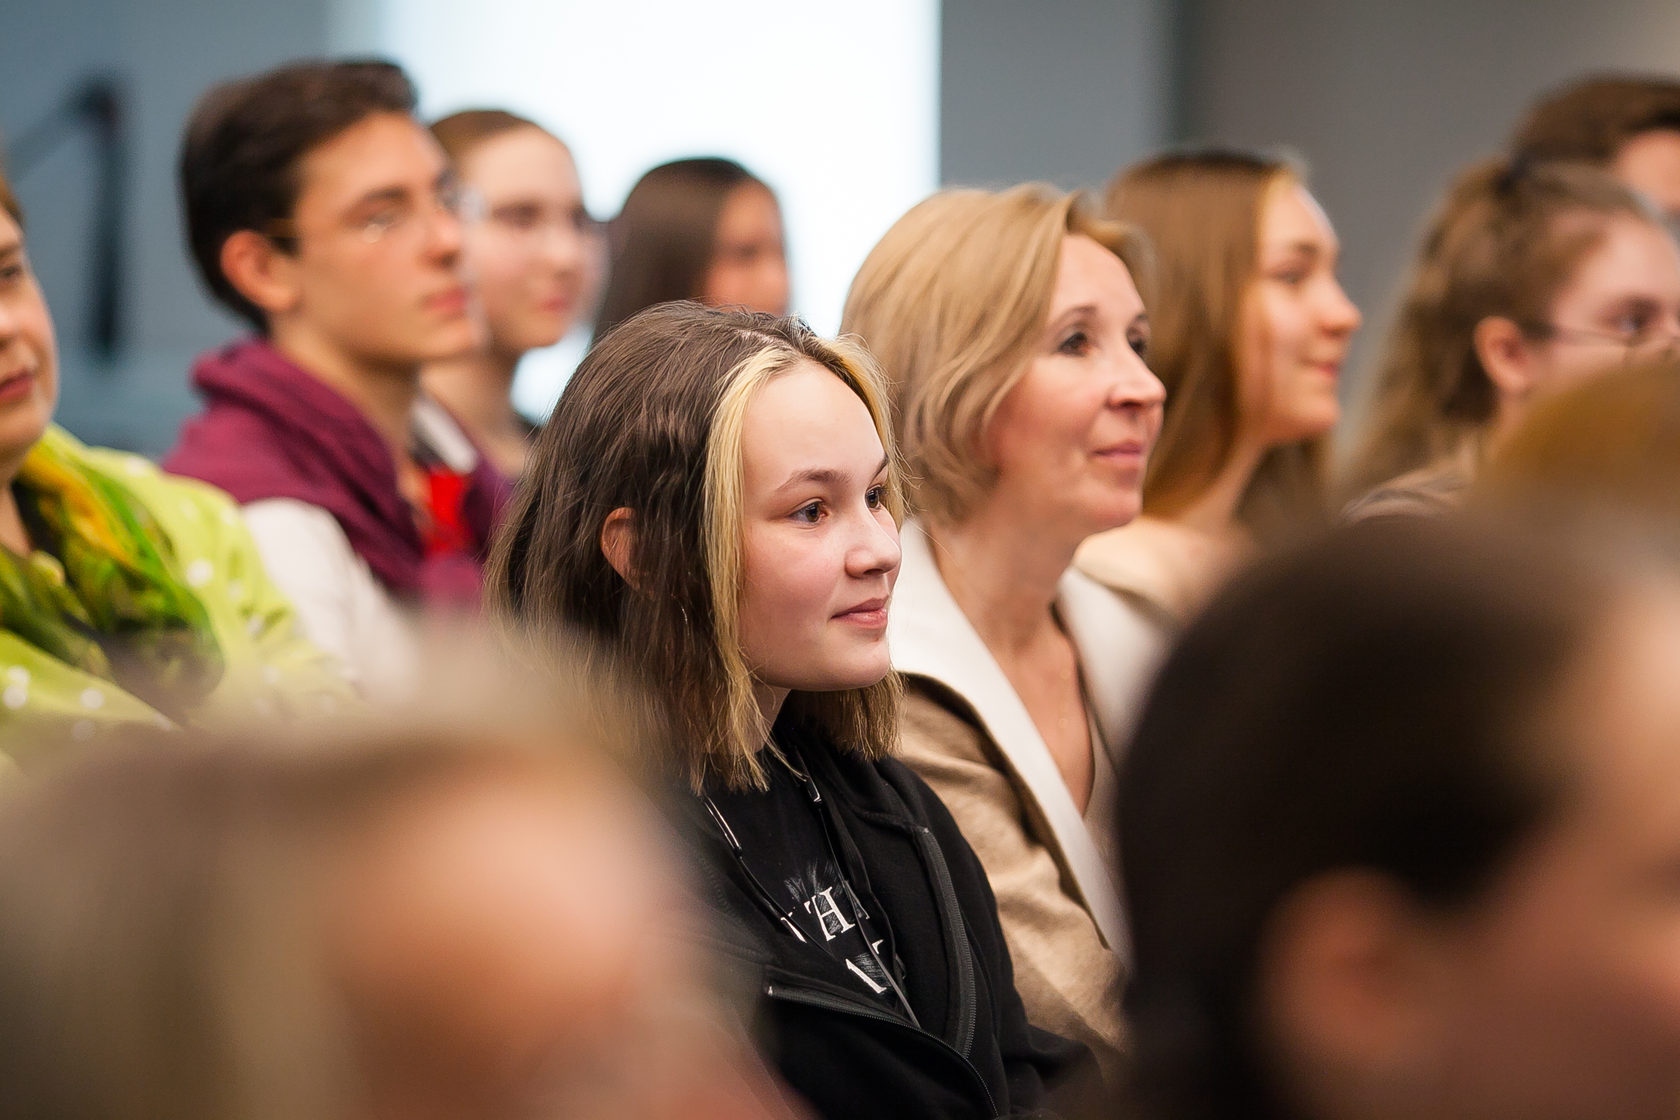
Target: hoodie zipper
958, 939
811, 997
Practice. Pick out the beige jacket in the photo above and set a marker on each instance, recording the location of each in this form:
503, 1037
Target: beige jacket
969, 736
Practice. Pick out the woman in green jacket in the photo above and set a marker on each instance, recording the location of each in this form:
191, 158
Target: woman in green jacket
127, 596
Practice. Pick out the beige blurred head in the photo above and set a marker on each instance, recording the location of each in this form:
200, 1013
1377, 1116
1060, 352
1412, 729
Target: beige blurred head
463, 912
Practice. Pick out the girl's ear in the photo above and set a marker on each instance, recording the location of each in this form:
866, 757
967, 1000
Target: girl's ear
1504, 352
618, 543
1352, 983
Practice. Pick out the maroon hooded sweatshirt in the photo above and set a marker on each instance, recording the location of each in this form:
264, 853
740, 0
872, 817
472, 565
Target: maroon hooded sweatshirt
271, 430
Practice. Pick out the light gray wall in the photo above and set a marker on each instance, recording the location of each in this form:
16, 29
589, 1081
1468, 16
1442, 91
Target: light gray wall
1386, 99
1061, 90
167, 52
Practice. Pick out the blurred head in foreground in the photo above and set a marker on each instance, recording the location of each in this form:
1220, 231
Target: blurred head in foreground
430, 924
1419, 857
1611, 445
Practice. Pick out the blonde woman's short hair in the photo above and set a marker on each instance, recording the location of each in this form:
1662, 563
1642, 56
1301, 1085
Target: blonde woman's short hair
951, 302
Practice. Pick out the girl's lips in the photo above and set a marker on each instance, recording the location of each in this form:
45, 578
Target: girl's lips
870, 615
451, 302
16, 384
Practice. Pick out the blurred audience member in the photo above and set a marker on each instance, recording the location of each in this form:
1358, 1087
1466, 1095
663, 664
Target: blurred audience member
443, 922
1610, 444
1401, 821
1014, 336
1250, 327
702, 229
323, 214
531, 257
1529, 277
1628, 125
126, 597
718, 506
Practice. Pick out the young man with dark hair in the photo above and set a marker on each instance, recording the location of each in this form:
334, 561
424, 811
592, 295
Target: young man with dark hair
321, 212
1626, 124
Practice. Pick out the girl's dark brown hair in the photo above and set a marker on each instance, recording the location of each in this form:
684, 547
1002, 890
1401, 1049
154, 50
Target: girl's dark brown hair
1201, 210
1383, 704
663, 239
635, 429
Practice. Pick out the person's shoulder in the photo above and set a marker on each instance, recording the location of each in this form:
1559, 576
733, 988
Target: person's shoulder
171, 500
921, 803
1153, 561
1429, 491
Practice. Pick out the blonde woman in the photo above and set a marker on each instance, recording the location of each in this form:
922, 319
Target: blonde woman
1529, 278
1014, 334
716, 501
1251, 329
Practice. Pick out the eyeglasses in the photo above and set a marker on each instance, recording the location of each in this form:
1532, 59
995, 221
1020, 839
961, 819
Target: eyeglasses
1635, 343
398, 215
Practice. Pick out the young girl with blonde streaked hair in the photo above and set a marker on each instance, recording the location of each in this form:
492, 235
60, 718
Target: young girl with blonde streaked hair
716, 502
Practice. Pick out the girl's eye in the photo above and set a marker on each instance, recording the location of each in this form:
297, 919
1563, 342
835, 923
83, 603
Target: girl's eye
1632, 323
1077, 344
1139, 344
876, 497
12, 273
810, 513
381, 222
1290, 277
520, 218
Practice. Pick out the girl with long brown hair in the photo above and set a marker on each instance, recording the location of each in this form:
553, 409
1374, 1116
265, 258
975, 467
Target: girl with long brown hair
705, 229
1251, 328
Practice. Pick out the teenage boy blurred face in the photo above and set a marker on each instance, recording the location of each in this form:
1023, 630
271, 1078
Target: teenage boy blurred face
366, 275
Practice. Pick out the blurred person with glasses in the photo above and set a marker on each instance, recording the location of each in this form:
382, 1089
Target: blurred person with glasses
1531, 278
323, 214
533, 255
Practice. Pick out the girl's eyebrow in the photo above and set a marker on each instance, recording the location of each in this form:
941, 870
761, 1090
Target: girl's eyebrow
823, 476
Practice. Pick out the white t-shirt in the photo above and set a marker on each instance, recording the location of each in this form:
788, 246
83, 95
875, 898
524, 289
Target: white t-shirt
340, 604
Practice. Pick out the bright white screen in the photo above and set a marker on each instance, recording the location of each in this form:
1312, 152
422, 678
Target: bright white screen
834, 105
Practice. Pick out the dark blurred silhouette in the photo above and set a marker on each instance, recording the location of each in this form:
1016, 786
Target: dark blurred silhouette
1394, 820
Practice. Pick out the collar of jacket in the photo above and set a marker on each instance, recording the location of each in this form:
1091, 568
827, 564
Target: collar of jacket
931, 637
